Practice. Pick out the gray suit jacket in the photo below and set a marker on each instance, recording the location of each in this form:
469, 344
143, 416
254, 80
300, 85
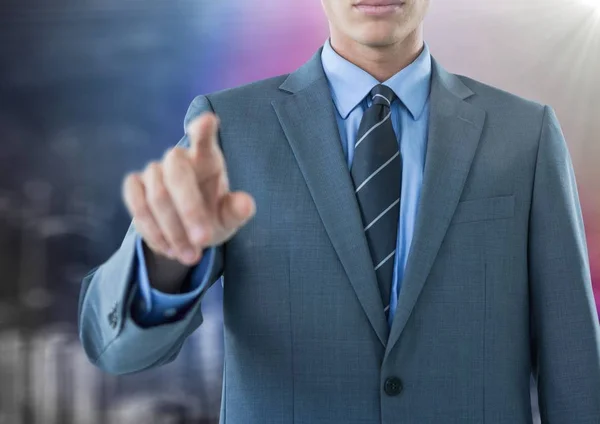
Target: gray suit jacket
497, 281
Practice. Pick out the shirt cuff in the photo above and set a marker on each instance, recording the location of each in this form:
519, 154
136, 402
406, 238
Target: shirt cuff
153, 307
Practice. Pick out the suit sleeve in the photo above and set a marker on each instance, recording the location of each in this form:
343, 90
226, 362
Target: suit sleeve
111, 338
565, 330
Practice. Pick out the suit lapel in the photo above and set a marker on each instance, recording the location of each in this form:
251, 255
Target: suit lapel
455, 128
308, 121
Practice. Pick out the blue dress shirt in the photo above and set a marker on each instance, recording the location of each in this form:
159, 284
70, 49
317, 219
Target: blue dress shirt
349, 87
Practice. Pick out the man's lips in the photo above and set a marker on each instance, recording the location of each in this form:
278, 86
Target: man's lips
379, 3
378, 7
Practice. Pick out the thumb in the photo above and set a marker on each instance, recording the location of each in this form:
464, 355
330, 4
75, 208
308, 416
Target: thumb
235, 209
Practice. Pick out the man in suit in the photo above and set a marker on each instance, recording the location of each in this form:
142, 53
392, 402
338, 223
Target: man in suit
404, 245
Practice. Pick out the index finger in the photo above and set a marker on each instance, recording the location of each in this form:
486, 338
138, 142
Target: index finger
202, 134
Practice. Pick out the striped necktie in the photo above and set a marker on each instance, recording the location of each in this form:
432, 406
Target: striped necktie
377, 172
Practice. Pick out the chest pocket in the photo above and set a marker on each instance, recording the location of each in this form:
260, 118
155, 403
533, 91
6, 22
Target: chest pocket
486, 209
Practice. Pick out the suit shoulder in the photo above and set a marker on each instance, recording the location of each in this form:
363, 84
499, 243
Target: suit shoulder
244, 97
513, 115
495, 99
264, 89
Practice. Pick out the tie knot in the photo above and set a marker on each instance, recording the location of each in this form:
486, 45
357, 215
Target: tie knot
382, 95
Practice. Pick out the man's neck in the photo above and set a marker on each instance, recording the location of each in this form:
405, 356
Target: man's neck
380, 62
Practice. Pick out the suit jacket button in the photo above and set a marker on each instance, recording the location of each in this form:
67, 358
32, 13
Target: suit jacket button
392, 386
112, 317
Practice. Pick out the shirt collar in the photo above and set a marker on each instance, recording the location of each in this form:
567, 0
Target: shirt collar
351, 84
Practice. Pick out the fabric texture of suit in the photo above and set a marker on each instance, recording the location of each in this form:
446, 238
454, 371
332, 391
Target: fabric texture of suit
497, 281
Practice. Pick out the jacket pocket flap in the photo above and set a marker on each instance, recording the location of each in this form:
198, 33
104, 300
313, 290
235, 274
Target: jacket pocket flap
484, 209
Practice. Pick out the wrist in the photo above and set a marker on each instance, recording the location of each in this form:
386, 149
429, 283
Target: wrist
166, 275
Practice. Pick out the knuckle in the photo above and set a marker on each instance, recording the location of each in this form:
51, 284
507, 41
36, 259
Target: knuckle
179, 151
173, 156
190, 213
153, 167
159, 195
129, 179
151, 174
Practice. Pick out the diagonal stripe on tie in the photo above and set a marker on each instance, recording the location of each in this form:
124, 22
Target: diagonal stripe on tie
376, 172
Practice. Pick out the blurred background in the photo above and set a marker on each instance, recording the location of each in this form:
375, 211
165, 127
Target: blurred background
93, 89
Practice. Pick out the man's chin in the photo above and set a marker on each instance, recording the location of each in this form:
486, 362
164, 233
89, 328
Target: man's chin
377, 40
376, 34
